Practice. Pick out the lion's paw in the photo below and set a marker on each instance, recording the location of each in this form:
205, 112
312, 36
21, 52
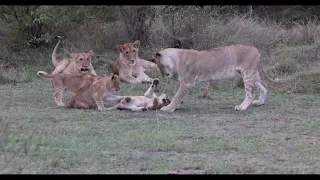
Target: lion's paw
102, 109
257, 103
127, 99
167, 109
239, 108
155, 81
61, 104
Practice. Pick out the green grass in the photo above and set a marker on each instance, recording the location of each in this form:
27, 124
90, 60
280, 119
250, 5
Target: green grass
204, 136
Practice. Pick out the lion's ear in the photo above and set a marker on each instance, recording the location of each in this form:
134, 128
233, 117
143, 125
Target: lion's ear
120, 48
91, 53
136, 44
158, 54
114, 77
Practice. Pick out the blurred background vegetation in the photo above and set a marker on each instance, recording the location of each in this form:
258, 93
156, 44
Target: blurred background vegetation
287, 36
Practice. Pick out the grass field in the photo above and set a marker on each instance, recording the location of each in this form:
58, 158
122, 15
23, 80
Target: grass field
203, 137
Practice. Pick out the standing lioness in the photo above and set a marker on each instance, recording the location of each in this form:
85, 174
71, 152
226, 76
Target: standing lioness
212, 65
129, 66
78, 63
67, 82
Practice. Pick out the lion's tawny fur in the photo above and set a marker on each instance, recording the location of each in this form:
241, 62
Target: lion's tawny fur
149, 100
77, 63
67, 82
213, 65
129, 66
93, 95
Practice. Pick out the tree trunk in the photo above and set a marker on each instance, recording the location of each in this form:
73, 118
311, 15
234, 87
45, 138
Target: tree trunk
134, 19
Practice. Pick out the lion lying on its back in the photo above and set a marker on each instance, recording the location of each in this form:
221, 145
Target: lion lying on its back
142, 103
213, 65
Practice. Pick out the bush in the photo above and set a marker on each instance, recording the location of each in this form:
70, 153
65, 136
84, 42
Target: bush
288, 60
286, 50
15, 75
302, 82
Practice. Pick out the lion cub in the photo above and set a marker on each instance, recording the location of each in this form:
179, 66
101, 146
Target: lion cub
77, 63
129, 66
67, 82
93, 95
142, 103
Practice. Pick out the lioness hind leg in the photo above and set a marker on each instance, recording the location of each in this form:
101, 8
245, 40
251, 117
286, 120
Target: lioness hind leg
248, 80
150, 92
263, 94
178, 98
131, 107
206, 91
57, 96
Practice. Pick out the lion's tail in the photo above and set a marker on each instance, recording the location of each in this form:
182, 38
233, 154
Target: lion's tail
54, 59
45, 75
266, 77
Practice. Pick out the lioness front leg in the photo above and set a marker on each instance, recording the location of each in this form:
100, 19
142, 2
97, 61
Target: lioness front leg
178, 98
130, 79
144, 78
206, 90
99, 102
57, 96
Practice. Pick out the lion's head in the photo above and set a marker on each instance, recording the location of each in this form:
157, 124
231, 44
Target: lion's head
165, 100
160, 101
82, 61
114, 83
164, 64
129, 52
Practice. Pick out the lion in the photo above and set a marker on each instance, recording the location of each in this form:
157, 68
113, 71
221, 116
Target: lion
78, 63
92, 96
129, 66
67, 82
142, 103
213, 65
